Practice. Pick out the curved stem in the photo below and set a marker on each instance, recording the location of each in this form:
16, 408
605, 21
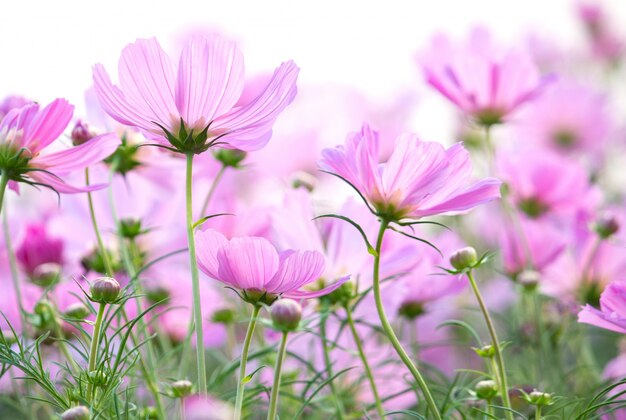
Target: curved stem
195, 281
366, 365
92, 213
244, 360
328, 366
95, 340
273, 410
504, 389
389, 330
207, 199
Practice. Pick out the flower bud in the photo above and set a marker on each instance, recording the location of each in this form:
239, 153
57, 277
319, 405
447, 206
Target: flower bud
81, 133
606, 226
98, 378
486, 352
149, 412
539, 398
76, 311
342, 295
105, 290
529, 279
181, 388
464, 258
411, 310
157, 294
286, 314
486, 390
46, 274
76, 413
230, 157
130, 228
223, 316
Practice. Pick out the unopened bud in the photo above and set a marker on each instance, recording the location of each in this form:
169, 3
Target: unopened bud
411, 310
46, 274
105, 290
224, 316
606, 226
181, 388
76, 311
486, 390
464, 258
540, 398
230, 157
81, 133
486, 352
130, 228
286, 314
76, 413
157, 294
342, 295
529, 279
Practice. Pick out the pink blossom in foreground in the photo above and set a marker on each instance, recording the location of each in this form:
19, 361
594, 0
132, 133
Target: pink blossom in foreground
482, 80
612, 312
254, 266
419, 179
27, 131
200, 93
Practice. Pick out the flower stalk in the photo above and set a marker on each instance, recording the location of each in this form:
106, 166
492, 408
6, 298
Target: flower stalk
273, 408
244, 360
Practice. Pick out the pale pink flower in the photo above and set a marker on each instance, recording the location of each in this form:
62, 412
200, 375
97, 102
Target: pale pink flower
605, 42
253, 266
483, 80
193, 105
27, 131
419, 179
612, 312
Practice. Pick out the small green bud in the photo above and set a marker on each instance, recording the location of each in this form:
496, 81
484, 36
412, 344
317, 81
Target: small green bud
230, 157
105, 290
181, 388
343, 295
76, 413
157, 294
529, 279
286, 314
540, 398
486, 390
606, 226
46, 274
464, 258
224, 316
411, 310
98, 378
76, 311
130, 228
150, 413
486, 352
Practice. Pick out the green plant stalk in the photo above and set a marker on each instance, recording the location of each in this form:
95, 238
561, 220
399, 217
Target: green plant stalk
93, 352
209, 195
537, 412
92, 213
384, 223
273, 410
366, 365
195, 280
504, 389
244, 360
328, 366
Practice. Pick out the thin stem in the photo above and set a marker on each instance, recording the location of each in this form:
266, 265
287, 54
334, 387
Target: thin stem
92, 212
244, 360
95, 340
538, 412
389, 330
207, 199
195, 280
504, 389
366, 365
273, 410
490, 149
328, 366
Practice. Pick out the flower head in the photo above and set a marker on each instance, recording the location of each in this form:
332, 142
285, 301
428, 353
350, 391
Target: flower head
193, 105
419, 179
485, 82
25, 132
612, 312
253, 266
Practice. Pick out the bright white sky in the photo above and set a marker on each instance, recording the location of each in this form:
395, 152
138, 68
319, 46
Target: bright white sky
49, 47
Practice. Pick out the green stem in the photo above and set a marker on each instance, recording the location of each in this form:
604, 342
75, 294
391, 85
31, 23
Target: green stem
244, 360
504, 389
328, 365
195, 281
366, 365
273, 410
95, 340
490, 150
389, 330
207, 199
92, 212
538, 412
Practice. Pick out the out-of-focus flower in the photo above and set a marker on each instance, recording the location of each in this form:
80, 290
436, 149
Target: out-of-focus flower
204, 407
38, 248
605, 43
419, 179
612, 312
482, 80
192, 106
26, 131
12, 102
253, 265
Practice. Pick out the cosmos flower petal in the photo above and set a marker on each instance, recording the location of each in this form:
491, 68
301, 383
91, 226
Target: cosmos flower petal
247, 263
305, 294
78, 157
296, 269
208, 243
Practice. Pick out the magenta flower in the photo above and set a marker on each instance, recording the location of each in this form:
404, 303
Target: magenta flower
26, 131
612, 312
38, 248
419, 179
484, 82
193, 105
254, 266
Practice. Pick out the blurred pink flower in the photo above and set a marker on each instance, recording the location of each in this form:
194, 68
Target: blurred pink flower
26, 131
419, 179
484, 81
605, 43
12, 102
197, 98
253, 265
38, 248
612, 312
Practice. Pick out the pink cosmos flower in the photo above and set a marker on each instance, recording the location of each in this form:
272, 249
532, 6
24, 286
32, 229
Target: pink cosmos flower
253, 265
26, 131
38, 248
419, 179
605, 42
484, 81
193, 105
612, 312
